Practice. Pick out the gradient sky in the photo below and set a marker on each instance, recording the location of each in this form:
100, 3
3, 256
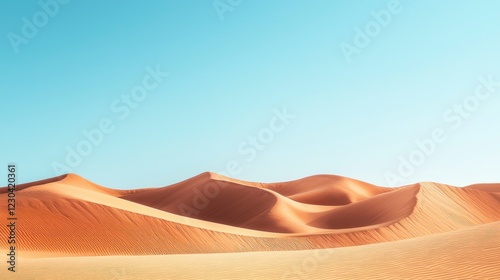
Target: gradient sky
228, 76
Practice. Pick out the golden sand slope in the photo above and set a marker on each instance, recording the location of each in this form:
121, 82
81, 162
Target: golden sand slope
69, 215
471, 253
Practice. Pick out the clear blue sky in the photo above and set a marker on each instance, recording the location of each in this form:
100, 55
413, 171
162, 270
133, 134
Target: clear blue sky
230, 68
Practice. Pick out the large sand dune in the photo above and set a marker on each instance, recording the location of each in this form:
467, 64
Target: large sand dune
70, 217
471, 253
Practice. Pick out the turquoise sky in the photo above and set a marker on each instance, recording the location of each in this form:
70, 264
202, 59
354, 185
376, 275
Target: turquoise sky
363, 81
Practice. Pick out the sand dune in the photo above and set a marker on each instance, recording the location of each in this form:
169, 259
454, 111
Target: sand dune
274, 208
69, 216
493, 189
326, 190
470, 253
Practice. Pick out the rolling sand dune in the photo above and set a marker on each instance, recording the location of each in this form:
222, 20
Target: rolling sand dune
257, 206
69, 217
471, 253
326, 190
493, 189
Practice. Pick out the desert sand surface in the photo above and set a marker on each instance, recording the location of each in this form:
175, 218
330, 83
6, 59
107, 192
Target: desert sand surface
215, 227
471, 253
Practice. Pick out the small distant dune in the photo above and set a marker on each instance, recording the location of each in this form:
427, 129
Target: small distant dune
492, 188
35, 183
328, 190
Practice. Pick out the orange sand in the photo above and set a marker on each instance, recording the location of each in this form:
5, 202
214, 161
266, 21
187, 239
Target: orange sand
70, 217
